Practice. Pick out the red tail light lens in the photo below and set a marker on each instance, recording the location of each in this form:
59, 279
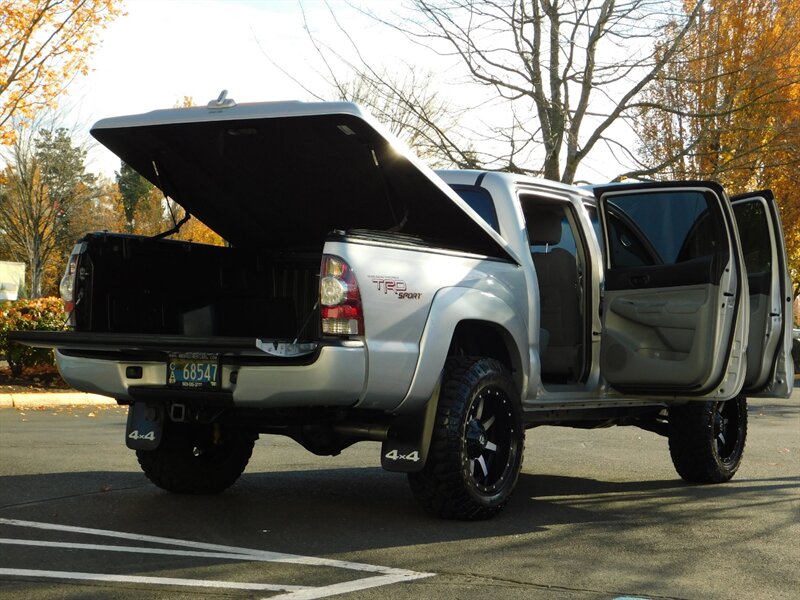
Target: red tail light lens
339, 298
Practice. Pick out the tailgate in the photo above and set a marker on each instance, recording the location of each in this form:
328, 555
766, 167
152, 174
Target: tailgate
125, 343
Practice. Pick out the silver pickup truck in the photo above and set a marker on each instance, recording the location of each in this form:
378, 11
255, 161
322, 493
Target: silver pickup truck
362, 296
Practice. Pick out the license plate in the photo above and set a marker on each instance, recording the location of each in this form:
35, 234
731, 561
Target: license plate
193, 370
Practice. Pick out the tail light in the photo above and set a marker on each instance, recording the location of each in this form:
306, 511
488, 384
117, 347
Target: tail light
339, 298
67, 287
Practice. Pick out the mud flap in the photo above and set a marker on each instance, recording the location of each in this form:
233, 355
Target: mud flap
145, 426
406, 450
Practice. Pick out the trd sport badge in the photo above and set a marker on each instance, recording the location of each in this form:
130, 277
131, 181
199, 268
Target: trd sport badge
394, 285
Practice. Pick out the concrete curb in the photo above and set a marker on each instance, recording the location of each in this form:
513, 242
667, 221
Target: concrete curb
51, 399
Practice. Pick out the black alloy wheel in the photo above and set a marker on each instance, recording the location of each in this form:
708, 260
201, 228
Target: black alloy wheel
707, 439
477, 442
490, 443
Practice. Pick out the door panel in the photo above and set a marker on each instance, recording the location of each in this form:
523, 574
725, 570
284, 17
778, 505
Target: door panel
695, 271
674, 316
658, 337
769, 344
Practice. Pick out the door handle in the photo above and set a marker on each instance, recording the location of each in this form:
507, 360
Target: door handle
639, 280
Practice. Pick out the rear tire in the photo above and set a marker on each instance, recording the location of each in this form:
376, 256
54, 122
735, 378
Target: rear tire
477, 443
197, 459
707, 439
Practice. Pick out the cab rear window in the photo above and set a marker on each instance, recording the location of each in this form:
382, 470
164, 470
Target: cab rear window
480, 201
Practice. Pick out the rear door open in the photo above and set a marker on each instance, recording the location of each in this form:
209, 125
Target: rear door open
675, 303
769, 348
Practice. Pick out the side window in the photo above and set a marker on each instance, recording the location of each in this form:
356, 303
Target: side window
661, 228
757, 246
751, 219
480, 201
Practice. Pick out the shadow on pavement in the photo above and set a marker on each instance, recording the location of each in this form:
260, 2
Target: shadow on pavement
344, 510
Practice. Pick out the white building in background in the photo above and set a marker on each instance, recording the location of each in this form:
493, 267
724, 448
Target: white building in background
12, 279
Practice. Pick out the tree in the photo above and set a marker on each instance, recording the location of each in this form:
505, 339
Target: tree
194, 230
718, 108
151, 216
64, 174
134, 189
565, 71
43, 45
404, 100
733, 113
102, 212
43, 184
408, 104
27, 217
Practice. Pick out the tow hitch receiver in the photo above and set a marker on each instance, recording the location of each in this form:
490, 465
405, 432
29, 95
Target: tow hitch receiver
145, 425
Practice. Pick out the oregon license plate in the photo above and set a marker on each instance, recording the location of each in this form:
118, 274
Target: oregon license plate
193, 370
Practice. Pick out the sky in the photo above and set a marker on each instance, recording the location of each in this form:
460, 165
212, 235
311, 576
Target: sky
164, 50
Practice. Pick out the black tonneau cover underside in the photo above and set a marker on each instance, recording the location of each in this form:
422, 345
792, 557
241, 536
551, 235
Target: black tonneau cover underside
286, 182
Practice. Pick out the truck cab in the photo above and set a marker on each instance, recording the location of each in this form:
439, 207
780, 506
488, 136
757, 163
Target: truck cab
652, 290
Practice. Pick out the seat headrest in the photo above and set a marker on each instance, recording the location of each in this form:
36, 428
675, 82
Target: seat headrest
544, 226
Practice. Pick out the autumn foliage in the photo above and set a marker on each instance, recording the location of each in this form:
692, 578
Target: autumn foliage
45, 314
727, 107
43, 45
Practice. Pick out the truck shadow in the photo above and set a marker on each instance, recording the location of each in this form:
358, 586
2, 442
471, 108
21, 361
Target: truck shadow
331, 511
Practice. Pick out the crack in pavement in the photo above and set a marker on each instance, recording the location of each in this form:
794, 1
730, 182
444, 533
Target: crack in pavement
490, 580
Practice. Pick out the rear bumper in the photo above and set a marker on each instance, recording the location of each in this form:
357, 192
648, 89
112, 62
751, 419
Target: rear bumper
336, 378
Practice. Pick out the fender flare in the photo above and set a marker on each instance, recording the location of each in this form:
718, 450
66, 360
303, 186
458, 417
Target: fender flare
450, 307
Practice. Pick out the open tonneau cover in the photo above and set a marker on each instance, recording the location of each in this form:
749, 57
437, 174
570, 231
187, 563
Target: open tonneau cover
285, 174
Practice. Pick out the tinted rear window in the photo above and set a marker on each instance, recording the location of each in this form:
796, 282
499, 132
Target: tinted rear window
480, 201
669, 227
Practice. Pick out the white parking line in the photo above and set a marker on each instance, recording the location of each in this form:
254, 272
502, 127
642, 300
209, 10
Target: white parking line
206, 583
346, 587
385, 575
132, 549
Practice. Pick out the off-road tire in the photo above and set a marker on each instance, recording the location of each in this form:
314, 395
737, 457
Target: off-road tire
197, 459
478, 420
707, 439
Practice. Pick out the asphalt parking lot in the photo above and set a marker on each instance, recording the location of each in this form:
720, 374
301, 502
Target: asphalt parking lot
597, 515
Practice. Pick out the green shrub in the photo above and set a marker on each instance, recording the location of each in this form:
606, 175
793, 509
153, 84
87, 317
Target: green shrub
44, 314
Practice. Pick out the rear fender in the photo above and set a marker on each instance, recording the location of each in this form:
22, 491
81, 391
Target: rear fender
450, 307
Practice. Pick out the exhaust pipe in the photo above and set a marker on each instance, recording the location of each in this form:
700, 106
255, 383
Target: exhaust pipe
374, 433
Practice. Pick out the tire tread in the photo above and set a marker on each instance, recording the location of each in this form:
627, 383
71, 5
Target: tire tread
439, 487
691, 443
172, 467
